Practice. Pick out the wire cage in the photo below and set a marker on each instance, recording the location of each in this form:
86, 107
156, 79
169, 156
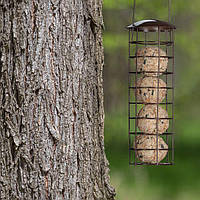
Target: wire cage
151, 93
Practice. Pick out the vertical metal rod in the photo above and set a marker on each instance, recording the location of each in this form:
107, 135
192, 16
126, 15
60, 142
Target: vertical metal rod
134, 4
166, 78
136, 50
172, 38
157, 117
169, 11
129, 98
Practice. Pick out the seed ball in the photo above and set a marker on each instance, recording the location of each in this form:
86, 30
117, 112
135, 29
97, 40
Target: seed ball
139, 91
149, 65
150, 95
149, 125
150, 142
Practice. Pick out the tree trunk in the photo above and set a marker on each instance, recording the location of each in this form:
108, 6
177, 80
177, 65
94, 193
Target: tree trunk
51, 101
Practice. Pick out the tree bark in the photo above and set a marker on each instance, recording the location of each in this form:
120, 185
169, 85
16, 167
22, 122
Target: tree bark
51, 101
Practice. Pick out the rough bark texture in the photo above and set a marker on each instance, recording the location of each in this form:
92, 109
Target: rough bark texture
51, 101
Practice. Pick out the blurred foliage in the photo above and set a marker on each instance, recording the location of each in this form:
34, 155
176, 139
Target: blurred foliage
181, 181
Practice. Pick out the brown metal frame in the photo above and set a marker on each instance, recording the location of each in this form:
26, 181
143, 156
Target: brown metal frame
134, 42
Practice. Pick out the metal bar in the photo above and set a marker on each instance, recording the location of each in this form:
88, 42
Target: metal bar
166, 79
141, 29
151, 87
132, 35
172, 37
153, 149
136, 98
164, 73
169, 11
158, 94
162, 103
141, 133
129, 136
152, 42
134, 4
150, 118
165, 164
169, 57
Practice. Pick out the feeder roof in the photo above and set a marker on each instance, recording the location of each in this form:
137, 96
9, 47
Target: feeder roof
151, 25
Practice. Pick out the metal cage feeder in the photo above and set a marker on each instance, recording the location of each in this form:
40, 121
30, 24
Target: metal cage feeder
151, 93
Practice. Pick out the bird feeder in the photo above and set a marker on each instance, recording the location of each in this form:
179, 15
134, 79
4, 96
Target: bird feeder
151, 93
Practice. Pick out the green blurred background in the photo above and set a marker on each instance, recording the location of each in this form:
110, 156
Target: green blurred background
181, 181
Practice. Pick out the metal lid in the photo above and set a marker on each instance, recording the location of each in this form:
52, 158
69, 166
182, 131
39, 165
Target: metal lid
151, 25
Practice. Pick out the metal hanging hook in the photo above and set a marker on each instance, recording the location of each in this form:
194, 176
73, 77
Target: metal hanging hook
169, 11
134, 10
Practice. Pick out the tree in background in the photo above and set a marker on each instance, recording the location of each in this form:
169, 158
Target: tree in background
51, 101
